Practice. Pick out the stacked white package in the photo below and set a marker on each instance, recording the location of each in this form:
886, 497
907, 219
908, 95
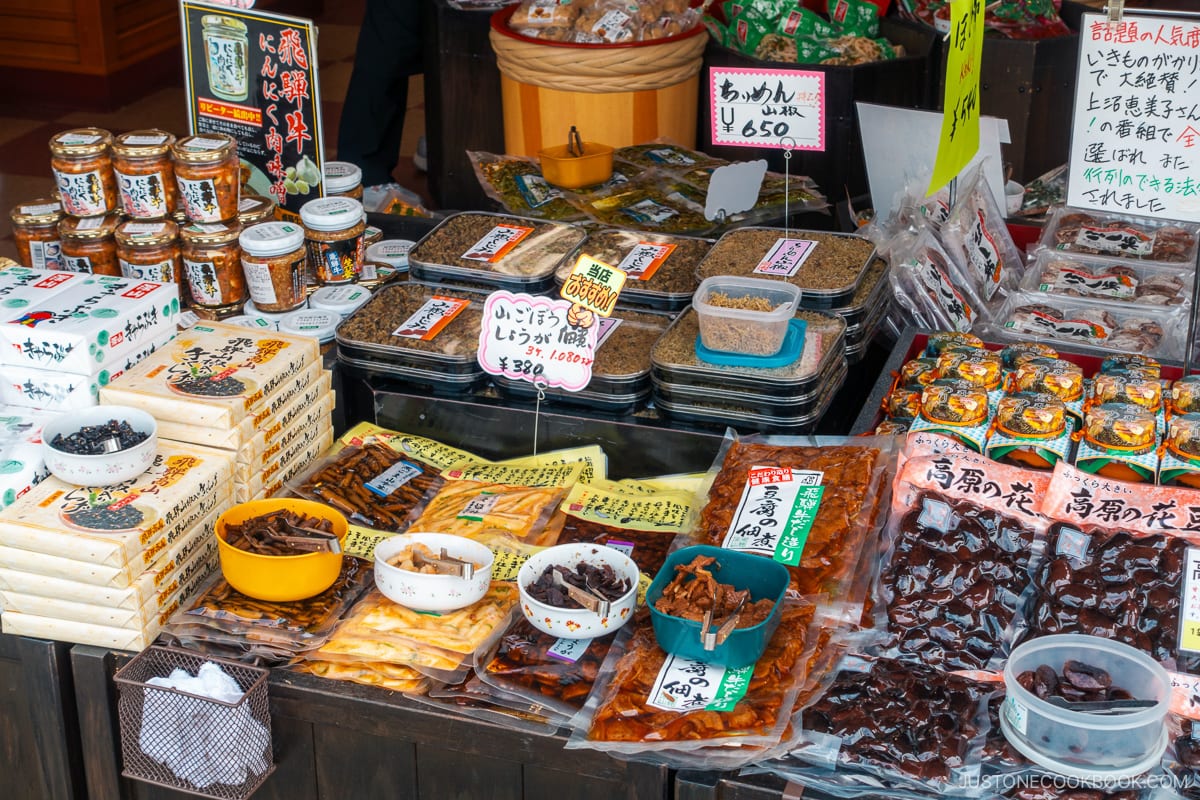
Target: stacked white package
108, 565
259, 395
21, 463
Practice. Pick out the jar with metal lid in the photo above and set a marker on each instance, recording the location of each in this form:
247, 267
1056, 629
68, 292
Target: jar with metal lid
393, 252
273, 261
145, 176
149, 251
227, 44
255, 208
371, 235
207, 173
82, 163
343, 179
334, 229
212, 265
35, 230
88, 244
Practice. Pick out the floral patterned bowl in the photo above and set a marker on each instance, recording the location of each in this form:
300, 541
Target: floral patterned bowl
577, 623
437, 593
108, 469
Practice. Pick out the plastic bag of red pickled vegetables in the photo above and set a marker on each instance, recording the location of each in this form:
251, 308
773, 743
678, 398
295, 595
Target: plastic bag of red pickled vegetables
888, 725
649, 706
764, 491
1119, 560
962, 539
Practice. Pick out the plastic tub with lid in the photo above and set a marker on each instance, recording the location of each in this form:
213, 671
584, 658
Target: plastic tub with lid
321, 325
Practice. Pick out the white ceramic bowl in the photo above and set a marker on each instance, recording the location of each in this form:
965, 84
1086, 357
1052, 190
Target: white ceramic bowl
577, 623
422, 592
106, 469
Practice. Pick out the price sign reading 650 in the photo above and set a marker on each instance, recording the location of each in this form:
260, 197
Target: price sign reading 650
768, 108
537, 339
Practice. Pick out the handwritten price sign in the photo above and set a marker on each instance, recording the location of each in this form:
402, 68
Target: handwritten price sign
531, 338
780, 108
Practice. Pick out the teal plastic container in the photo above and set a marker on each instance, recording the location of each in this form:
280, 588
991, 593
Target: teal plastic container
762, 576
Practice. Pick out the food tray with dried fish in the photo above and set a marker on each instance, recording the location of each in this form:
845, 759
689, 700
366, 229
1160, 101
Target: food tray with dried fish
674, 361
1108, 279
418, 327
828, 267
1154, 331
497, 250
1132, 238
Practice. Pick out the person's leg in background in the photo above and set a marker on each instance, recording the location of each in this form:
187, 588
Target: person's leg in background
389, 52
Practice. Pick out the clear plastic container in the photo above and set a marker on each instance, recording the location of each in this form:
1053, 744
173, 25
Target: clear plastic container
745, 315
1094, 326
799, 406
828, 267
674, 361
1108, 279
661, 269
1083, 744
1120, 235
494, 251
369, 335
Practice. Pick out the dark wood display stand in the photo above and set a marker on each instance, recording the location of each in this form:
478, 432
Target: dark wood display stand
40, 751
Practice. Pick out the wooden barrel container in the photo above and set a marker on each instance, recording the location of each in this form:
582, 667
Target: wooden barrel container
618, 94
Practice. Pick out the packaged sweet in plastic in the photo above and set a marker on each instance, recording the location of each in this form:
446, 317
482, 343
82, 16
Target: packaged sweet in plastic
1016, 354
980, 367
1031, 430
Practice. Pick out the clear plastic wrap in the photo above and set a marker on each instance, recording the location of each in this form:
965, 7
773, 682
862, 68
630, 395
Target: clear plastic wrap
493, 247
472, 698
489, 512
976, 232
660, 266
1107, 279
395, 677
516, 183
1127, 237
621, 718
855, 476
934, 286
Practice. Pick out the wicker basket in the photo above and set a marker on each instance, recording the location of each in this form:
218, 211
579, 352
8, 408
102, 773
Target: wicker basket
620, 94
244, 750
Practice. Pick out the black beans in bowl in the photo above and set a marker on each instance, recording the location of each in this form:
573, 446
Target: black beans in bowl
90, 440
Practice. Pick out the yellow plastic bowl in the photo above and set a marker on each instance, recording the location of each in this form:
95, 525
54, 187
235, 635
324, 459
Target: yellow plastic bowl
279, 579
560, 168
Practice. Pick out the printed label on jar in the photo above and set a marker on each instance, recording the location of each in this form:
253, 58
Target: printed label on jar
1115, 239
649, 212
143, 228
199, 199
776, 513
201, 144
46, 255
393, 478
247, 204
81, 194
497, 243
568, 650
336, 262
687, 685
142, 195
77, 264
258, 281
479, 507
78, 138
431, 318
786, 257
89, 224
1189, 603
202, 283
38, 210
145, 140
162, 272
643, 261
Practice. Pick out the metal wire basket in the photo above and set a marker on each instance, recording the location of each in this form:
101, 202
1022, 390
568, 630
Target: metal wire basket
189, 742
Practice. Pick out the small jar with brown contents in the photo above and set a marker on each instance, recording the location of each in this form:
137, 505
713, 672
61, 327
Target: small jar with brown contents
145, 175
149, 251
343, 179
207, 172
255, 208
212, 265
82, 163
35, 230
273, 261
88, 244
334, 229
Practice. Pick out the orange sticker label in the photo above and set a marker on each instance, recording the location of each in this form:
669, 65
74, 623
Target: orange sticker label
431, 318
497, 243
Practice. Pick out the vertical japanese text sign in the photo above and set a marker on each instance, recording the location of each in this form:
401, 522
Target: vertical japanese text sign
253, 75
959, 140
1135, 140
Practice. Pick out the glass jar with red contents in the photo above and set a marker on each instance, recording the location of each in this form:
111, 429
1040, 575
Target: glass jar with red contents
88, 244
212, 265
149, 251
35, 230
145, 174
81, 160
208, 175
